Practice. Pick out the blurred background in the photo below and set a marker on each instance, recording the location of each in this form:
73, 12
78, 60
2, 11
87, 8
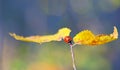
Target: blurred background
44, 17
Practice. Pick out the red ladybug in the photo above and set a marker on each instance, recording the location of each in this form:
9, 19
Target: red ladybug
68, 40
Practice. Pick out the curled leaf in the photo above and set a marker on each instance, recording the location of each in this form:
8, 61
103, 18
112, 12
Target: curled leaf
86, 37
63, 32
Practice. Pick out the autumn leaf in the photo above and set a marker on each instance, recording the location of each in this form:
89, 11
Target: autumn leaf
63, 32
87, 37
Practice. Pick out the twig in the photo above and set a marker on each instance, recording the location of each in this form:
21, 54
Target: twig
73, 60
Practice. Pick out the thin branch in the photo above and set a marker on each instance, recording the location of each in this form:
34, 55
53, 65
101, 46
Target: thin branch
72, 55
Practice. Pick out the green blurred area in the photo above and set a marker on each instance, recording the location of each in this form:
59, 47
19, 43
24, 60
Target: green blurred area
56, 55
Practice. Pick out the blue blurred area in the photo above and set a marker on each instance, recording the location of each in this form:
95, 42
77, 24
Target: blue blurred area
43, 17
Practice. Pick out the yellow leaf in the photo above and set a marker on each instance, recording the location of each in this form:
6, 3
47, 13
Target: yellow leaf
45, 38
86, 37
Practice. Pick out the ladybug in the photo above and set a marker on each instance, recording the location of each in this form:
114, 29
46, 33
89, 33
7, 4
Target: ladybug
68, 39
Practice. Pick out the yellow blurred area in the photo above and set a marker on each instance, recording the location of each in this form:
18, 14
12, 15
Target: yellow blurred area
116, 3
109, 5
43, 66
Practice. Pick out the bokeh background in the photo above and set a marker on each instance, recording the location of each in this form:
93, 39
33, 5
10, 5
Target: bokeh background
44, 17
